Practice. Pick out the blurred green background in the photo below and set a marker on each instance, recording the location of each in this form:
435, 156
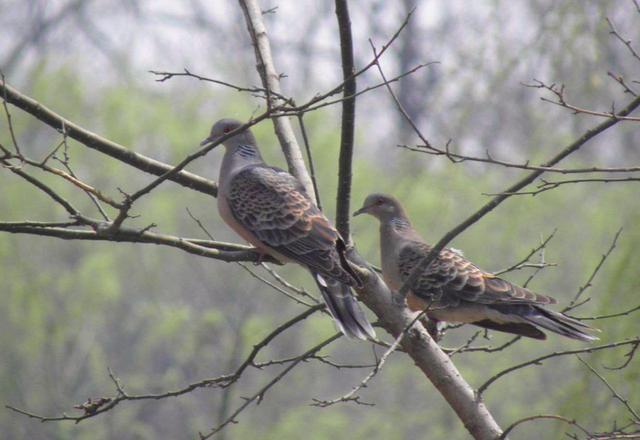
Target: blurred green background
161, 318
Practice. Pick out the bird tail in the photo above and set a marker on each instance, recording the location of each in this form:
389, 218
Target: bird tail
528, 314
344, 308
561, 324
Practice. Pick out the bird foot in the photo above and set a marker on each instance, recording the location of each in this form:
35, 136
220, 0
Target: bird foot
432, 328
261, 258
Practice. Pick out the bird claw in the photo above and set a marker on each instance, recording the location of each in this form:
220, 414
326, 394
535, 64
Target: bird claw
431, 325
261, 258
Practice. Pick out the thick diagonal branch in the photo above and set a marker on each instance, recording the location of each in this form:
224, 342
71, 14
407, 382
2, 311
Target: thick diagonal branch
431, 360
271, 82
103, 145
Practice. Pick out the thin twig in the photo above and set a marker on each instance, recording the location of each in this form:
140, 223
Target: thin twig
94, 407
348, 119
259, 395
271, 82
603, 258
538, 360
497, 200
543, 416
525, 261
351, 395
312, 169
614, 393
103, 145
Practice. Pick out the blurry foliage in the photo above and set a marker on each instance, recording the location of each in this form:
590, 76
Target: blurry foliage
161, 318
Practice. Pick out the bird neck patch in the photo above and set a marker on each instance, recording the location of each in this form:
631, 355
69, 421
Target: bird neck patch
246, 151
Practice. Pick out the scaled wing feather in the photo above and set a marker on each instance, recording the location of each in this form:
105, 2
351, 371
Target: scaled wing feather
451, 278
273, 205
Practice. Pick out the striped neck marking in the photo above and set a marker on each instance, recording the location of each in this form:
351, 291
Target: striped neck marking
246, 151
400, 224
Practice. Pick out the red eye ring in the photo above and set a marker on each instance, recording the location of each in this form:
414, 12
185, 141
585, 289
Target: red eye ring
226, 129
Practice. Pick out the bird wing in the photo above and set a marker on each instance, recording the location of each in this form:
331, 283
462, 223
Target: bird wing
451, 278
272, 205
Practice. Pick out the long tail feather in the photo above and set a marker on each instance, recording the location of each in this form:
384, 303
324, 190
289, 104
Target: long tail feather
561, 324
344, 308
516, 328
531, 314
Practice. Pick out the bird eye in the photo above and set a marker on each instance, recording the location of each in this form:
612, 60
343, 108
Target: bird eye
379, 202
226, 129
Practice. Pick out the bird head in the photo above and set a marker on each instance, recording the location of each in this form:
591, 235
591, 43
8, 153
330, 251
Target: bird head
226, 126
381, 206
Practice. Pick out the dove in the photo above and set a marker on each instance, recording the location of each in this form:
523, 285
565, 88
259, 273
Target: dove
453, 289
270, 209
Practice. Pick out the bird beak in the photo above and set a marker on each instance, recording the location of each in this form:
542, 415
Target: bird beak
362, 210
206, 142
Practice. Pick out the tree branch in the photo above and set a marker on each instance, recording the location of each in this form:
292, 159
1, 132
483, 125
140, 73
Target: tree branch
259, 395
543, 416
271, 82
458, 158
348, 120
493, 203
351, 395
430, 359
103, 145
94, 407
219, 251
538, 360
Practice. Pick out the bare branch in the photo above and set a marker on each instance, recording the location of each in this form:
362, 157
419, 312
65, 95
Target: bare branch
164, 76
624, 41
8, 116
351, 395
630, 354
538, 360
103, 145
493, 203
485, 349
348, 120
561, 101
271, 82
94, 407
312, 169
525, 261
69, 177
543, 416
603, 258
458, 158
66, 162
547, 185
219, 251
273, 286
620, 80
259, 395
288, 285
612, 315
614, 393
42, 187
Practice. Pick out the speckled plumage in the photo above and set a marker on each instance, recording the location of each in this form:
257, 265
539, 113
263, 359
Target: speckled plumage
269, 208
272, 204
453, 278
453, 289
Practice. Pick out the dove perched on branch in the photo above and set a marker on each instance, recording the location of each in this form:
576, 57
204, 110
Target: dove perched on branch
270, 209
